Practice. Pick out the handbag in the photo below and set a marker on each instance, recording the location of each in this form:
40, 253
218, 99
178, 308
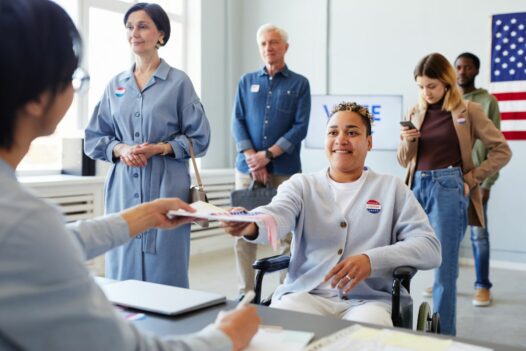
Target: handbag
257, 194
197, 192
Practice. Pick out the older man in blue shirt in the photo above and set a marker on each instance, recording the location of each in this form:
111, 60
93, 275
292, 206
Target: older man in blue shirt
270, 119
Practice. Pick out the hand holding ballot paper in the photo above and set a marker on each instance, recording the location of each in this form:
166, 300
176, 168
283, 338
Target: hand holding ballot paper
236, 222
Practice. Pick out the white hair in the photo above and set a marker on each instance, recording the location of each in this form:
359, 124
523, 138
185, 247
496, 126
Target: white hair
268, 27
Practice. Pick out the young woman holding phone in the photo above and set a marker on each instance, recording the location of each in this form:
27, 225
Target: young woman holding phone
440, 170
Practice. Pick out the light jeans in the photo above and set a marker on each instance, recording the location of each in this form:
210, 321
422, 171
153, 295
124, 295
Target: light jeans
480, 245
245, 251
441, 194
364, 311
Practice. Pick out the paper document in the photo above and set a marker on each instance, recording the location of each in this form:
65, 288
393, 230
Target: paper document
206, 210
356, 337
269, 338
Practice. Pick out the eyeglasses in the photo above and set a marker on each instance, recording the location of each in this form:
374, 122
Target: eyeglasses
80, 81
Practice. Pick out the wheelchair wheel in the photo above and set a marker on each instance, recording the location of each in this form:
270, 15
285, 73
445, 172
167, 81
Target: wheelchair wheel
435, 323
424, 315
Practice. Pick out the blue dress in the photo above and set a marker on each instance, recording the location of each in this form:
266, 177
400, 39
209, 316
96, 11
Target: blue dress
166, 110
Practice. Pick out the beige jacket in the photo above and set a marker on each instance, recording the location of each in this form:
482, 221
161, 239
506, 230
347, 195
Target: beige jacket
470, 124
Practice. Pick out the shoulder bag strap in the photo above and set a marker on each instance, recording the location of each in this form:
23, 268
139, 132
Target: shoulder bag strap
196, 171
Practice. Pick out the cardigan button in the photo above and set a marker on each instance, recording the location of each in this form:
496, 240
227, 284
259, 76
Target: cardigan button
340, 251
343, 224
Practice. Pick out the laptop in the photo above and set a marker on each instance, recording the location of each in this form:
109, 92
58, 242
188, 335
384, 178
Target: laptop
158, 298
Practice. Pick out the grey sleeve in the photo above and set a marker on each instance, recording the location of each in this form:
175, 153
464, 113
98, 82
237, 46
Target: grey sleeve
96, 236
54, 304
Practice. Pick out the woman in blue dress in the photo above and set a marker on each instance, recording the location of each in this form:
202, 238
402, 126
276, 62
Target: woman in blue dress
143, 125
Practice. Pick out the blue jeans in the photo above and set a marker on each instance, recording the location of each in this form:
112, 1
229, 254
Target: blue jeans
480, 244
441, 194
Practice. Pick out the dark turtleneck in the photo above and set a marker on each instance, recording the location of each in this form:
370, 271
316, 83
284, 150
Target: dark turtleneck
438, 146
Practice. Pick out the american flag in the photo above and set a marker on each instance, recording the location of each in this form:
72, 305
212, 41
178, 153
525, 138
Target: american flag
508, 72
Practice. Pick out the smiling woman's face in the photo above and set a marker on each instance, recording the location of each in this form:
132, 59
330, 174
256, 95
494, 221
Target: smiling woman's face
346, 145
142, 33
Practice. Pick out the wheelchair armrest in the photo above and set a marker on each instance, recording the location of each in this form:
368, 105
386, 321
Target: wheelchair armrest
267, 265
404, 274
401, 277
272, 264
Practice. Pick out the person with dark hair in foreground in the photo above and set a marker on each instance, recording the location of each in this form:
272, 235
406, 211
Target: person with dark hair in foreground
48, 300
143, 126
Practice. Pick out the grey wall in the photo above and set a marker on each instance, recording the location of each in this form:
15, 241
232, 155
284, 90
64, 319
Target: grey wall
359, 47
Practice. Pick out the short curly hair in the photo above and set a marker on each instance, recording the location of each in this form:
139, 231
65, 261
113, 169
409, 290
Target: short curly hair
367, 116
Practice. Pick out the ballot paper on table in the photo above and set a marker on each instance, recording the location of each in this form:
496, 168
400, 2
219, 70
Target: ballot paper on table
208, 211
279, 339
358, 338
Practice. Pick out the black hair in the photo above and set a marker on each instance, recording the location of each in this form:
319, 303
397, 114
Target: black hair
40, 51
158, 16
472, 57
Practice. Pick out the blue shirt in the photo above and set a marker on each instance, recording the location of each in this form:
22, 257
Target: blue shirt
167, 109
48, 300
272, 110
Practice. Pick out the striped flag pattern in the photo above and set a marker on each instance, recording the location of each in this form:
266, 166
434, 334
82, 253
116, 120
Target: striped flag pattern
508, 72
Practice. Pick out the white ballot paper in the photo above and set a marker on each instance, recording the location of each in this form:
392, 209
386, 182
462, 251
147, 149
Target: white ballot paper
206, 210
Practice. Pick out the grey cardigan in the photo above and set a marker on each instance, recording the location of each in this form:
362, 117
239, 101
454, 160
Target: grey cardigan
398, 234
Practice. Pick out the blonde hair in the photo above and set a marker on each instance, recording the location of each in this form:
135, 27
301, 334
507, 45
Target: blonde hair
269, 27
436, 66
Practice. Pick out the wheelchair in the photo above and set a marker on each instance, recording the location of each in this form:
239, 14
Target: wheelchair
402, 316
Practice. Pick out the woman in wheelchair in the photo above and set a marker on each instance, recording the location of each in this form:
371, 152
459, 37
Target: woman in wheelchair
351, 227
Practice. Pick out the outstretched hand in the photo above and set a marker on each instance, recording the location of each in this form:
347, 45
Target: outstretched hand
239, 228
349, 272
153, 215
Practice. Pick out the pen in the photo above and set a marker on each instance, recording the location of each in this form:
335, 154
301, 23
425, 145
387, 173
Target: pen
249, 296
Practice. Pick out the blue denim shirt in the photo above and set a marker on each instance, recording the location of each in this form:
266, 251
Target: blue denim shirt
271, 110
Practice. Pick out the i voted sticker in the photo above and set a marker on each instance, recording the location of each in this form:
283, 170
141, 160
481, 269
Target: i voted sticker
373, 206
254, 88
120, 91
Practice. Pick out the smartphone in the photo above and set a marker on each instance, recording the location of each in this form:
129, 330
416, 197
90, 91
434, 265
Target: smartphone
407, 124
